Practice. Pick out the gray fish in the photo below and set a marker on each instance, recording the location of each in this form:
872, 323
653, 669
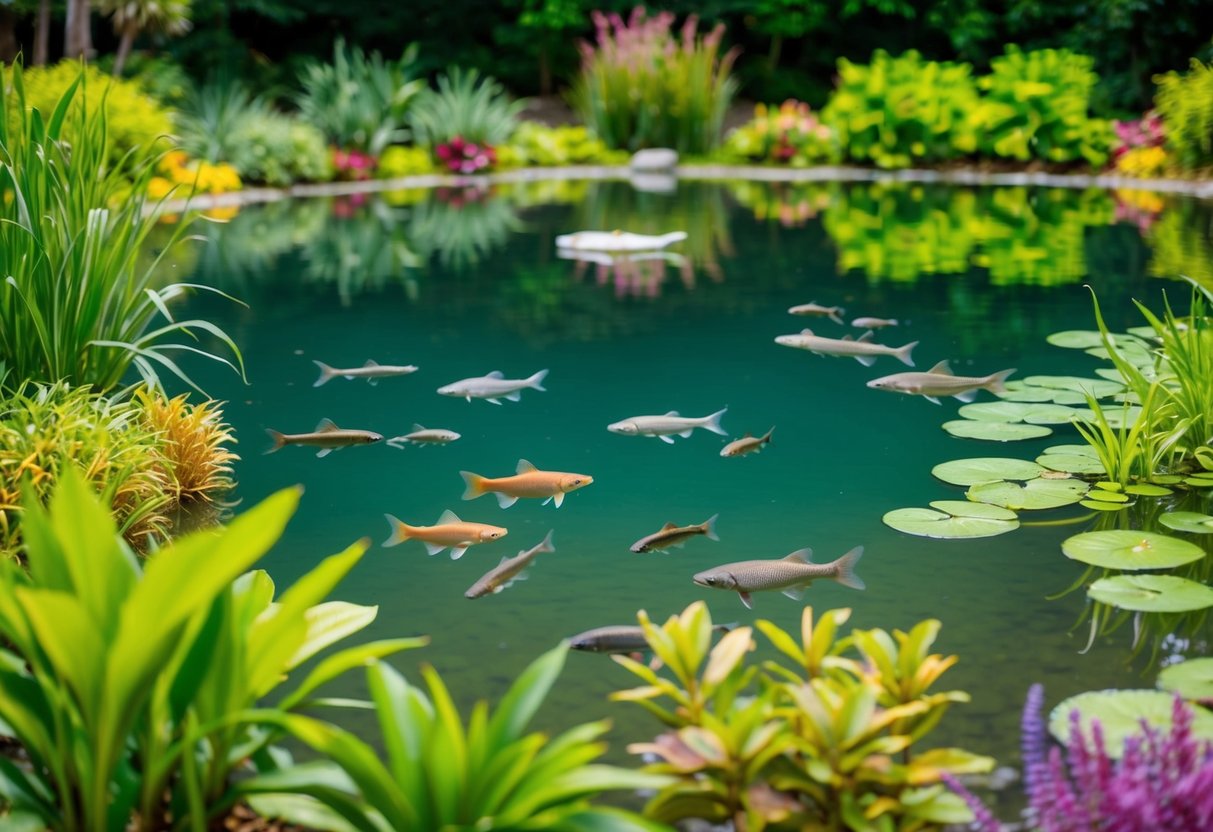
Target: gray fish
372, 371
939, 381
671, 535
747, 444
664, 427
815, 309
424, 436
509, 570
494, 387
327, 436
620, 638
861, 349
791, 575
873, 323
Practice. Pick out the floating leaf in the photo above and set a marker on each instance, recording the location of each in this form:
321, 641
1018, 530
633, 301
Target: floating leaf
1188, 521
1111, 374
985, 469
953, 519
1191, 679
1070, 463
1147, 332
1152, 593
1080, 450
1166, 479
1109, 486
1031, 412
1017, 391
1106, 496
994, 431
1097, 387
1100, 505
1130, 550
1199, 482
1120, 713
1085, 339
1033, 495
1147, 490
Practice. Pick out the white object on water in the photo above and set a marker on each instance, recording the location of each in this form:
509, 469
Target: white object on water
654, 158
603, 258
617, 241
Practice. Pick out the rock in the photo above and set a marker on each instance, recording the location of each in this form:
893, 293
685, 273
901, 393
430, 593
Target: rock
654, 158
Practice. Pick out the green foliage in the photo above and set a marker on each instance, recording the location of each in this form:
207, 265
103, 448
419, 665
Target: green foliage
538, 145
464, 104
789, 135
440, 773
895, 112
76, 304
130, 687
817, 740
1035, 107
360, 101
401, 160
279, 149
1185, 103
210, 116
642, 86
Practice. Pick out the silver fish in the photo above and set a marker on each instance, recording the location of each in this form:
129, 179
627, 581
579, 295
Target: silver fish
494, 387
939, 381
509, 570
663, 427
424, 436
791, 575
873, 323
747, 444
861, 349
372, 371
327, 436
620, 638
671, 535
815, 309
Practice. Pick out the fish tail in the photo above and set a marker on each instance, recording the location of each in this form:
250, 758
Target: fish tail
475, 485
400, 531
994, 383
326, 373
536, 381
670, 238
836, 313
845, 569
709, 527
903, 354
279, 440
712, 422
767, 439
546, 545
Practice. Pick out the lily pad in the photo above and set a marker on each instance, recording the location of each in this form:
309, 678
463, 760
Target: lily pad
1017, 391
1070, 463
1120, 713
1097, 387
1144, 489
1188, 521
1192, 679
985, 469
1152, 593
1080, 450
1106, 496
1036, 413
1111, 374
1033, 495
1100, 505
1130, 550
1085, 339
953, 519
1117, 417
1138, 355
994, 431
1199, 482
1147, 332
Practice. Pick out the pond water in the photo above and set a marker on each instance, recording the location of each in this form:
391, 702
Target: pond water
462, 282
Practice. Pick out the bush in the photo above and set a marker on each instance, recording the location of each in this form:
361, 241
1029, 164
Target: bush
399, 160
642, 86
210, 117
538, 145
465, 105
279, 149
790, 135
1185, 103
1035, 107
899, 111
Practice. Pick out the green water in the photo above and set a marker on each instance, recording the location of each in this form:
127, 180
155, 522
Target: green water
463, 289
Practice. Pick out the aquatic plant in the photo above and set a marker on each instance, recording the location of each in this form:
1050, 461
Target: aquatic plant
474, 108
818, 739
193, 441
640, 85
1185, 104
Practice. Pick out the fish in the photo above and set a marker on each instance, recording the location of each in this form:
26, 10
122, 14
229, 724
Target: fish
747, 444
327, 436
529, 481
449, 532
617, 241
424, 436
874, 323
494, 387
663, 427
791, 575
620, 638
372, 371
861, 349
816, 310
676, 536
939, 381
504, 574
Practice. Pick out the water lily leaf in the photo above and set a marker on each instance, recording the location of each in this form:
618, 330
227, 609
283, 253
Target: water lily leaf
1137, 354
1037, 413
1085, 339
1152, 593
1146, 490
953, 519
1100, 505
1147, 332
1097, 387
1033, 495
1116, 417
1120, 713
1069, 397
1191, 679
1109, 486
1070, 463
1106, 496
1166, 479
1017, 391
1130, 550
1080, 450
985, 469
1199, 482
1111, 374
1188, 521
994, 431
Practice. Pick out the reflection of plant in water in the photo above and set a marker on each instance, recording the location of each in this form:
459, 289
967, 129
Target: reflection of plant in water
361, 248
791, 204
239, 254
1182, 242
462, 225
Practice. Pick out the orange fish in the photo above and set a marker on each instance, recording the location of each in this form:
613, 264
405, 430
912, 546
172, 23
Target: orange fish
448, 531
528, 482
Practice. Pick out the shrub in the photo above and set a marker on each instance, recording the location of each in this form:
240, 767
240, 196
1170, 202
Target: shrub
642, 86
1035, 107
790, 135
182, 176
542, 146
279, 149
210, 118
1185, 103
467, 106
898, 111
192, 440
399, 160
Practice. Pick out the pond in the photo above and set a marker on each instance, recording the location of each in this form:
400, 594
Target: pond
464, 281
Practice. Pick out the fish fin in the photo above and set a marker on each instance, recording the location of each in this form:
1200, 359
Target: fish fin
323, 452
546, 545
747, 435
536, 380
672, 413
903, 353
448, 516
845, 567
678, 545
279, 440
475, 485
434, 548
374, 382
400, 531
865, 360
491, 401
668, 526
495, 374
417, 427
712, 422
559, 498
966, 397
326, 426
746, 599
666, 440
504, 500
995, 382
943, 368
846, 338
834, 314
767, 438
932, 399
685, 433
800, 556
397, 442
806, 331
370, 362
326, 373
521, 576
457, 552
516, 396
709, 527
796, 593
497, 590
867, 336
468, 398
545, 502
524, 467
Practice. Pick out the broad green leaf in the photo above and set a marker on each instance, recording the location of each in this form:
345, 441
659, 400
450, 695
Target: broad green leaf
1188, 521
524, 697
1029, 496
953, 519
1120, 713
1130, 550
994, 431
985, 469
1191, 679
331, 667
329, 623
726, 654
1152, 593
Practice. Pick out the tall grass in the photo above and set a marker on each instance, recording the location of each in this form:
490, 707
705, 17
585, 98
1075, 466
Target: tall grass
76, 304
643, 86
